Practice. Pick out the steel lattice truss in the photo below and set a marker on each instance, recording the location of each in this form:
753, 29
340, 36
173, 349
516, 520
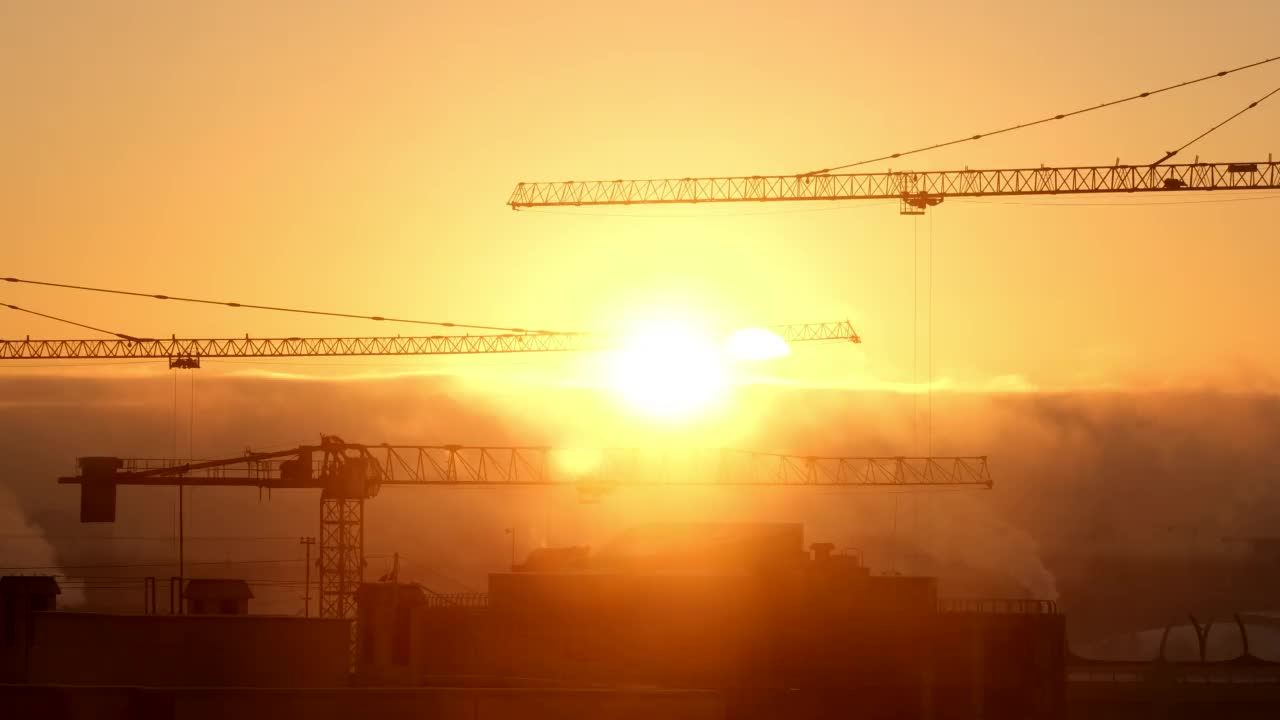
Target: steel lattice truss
916, 189
456, 465
176, 348
508, 465
341, 555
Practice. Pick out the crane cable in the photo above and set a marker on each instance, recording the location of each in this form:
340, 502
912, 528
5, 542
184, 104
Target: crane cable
915, 333
1041, 121
122, 336
929, 332
1238, 113
158, 296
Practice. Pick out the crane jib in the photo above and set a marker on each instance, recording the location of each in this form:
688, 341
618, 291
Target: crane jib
186, 352
914, 189
357, 471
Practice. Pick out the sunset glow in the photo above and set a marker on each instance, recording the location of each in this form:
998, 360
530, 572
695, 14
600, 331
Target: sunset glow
706, 360
576, 462
756, 344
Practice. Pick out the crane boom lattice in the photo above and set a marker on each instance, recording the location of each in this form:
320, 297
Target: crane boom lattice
512, 465
192, 349
916, 190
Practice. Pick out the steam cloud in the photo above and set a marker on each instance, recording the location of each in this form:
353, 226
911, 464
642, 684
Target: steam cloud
1143, 473
27, 550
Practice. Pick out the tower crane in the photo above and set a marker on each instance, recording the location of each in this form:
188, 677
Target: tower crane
186, 353
915, 191
347, 474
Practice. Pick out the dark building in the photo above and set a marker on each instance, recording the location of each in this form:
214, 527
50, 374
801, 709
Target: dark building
218, 645
243, 651
389, 654
217, 597
749, 613
726, 621
20, 596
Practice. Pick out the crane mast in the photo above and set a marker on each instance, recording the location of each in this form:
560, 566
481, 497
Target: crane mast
915, 190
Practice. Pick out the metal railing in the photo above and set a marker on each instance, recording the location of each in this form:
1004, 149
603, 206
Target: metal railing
998, 606
1174, 674
462, 600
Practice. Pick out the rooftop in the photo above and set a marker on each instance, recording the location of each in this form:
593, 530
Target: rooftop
29, 585
217, 589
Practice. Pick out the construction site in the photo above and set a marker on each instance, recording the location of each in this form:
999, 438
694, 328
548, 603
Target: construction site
607, 480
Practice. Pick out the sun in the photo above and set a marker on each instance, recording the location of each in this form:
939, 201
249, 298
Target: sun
674, 370
669, 370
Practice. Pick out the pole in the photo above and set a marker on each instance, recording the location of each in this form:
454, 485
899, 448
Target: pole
182, 557
512, 532
181, 548
306, 584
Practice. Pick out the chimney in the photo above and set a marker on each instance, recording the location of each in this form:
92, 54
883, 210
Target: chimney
822, 551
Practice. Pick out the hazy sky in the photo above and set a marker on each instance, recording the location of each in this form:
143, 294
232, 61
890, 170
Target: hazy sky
356, 156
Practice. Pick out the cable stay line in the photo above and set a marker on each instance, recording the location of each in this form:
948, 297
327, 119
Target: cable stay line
1197, 138
1041, 121
55, 318
274, 308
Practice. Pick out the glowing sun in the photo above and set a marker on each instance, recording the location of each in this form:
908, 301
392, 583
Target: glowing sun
672, 370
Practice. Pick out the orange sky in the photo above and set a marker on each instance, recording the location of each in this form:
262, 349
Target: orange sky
340, 156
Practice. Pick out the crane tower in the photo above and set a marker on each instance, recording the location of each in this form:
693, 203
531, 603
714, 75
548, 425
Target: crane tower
348, 474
